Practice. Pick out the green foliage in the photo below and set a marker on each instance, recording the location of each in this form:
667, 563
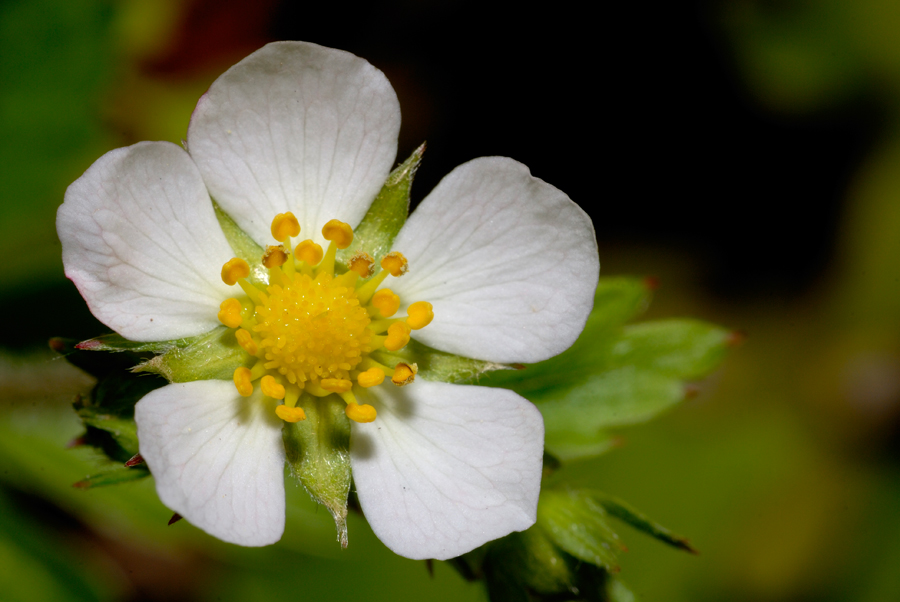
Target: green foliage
577, 525
615, 375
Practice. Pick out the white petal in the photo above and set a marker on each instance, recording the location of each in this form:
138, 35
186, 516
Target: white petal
217, 457
296, 127
508, 261
445, 468
141, 242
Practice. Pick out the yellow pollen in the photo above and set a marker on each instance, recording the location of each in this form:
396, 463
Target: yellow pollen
230, 313
398, 336
270, 387
339, 233
311, 329
395, 263
290, 414
421, 313
242, 381
360, 413
285, 226
245, 340
274, 256
386, 302
233, 270
309, 252
404, 374
362, 263
336, 385
371, 377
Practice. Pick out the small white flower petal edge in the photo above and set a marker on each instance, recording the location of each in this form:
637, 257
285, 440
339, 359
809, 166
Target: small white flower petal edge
296, 127
445, 468
508, 261
141, 242
217, 458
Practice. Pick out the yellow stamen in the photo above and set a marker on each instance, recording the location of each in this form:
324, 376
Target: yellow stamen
421, 313
290, 414
309, 252
230, 313
404, 374
362, 263
395, 263
339, 233
398, 336
285, 226
336, 385
233, 270
274, 256
360, 413
245, 340
371, 377
386, 302
243, 382
270, 387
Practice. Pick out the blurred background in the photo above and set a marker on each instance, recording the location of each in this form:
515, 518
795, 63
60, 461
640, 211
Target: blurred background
746, 153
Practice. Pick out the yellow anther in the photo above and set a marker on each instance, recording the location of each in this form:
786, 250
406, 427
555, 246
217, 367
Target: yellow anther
230, 313
242, 381
289, 414
362, 263
360, 413
235, 269
270, 387
339, 233
285, 226
274, 256
371, 377
386, 302
404, 374
397, 337
309, 252
421, 313
336, 385
245, 340
395, 263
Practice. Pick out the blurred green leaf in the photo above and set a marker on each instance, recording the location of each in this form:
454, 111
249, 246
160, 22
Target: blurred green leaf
577, 524
621, 510
524, 563
113, 476
566, 445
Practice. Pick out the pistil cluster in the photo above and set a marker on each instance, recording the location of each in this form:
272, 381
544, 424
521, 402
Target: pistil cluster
312, 329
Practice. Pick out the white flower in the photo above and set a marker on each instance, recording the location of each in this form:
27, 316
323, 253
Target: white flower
508, 262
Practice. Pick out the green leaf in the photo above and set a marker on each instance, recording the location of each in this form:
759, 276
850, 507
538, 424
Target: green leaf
619, 299
616, 591
437, 365
621, 510
577, 524
212, 356
525, 562
566, 446
620, 397
113, 476
685, 349
379, 227
318, 452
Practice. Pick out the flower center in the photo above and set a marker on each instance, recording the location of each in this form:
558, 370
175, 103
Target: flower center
312, 330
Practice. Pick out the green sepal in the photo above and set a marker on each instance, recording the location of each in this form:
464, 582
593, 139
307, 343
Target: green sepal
379, 227
243, 246
577, 523
212, 356
437, 365
318, 452
681, 348
641, 522
116, 343
113, 476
